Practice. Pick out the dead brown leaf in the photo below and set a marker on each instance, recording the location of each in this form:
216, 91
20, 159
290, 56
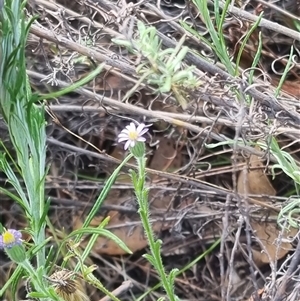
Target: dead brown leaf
269, 236
128, 227
255, 181
129, 230
166, 156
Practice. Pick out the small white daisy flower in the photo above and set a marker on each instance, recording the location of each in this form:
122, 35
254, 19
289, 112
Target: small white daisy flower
132, 134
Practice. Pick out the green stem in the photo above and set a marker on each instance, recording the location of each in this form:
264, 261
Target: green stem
34, 278
142, 199
187, 267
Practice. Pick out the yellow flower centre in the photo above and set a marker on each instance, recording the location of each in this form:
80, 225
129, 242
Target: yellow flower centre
8, 238
133, 135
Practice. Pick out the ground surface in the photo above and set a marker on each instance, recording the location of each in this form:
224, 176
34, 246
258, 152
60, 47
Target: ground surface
198, 194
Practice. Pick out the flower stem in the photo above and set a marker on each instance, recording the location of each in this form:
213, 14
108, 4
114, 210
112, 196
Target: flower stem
155, 245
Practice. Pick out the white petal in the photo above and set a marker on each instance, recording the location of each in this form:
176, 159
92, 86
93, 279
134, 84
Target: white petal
144, 131
131, 127
127, 144
132, 143
140, 127
122, 135
122, 139
141, 139
125, 131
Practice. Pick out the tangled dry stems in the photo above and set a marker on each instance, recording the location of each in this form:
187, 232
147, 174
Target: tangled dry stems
68, 40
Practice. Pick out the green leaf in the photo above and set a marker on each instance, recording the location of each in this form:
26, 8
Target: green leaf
172, 276
12, 179
44, 214
15, 283
74, 86
176, 64
18, 272
151, 259
134, 178
217, 37
166, 86
100, 232
124, 43
104, 193
245, 40
37, 295
157, 247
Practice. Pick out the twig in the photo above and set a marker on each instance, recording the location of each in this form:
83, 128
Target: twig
269, 101
263, 23
161, 114
281, 291
127, 107
88, 51
200, 63
125, 286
